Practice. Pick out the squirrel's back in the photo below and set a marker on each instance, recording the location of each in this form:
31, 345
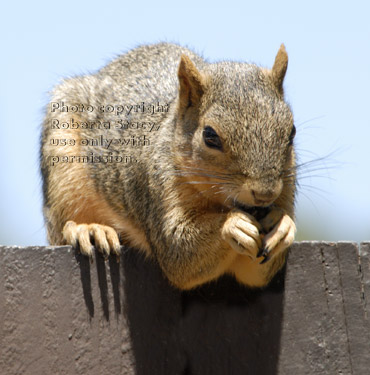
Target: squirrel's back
149, 72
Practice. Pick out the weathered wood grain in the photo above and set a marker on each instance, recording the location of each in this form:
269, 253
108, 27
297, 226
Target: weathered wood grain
60, 314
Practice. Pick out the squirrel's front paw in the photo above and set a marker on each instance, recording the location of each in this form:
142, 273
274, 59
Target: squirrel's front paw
104, 238
280, 235
241, 232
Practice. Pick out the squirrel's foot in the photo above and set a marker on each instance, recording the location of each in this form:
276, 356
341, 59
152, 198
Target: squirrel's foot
241, 232
104, 238
280, 235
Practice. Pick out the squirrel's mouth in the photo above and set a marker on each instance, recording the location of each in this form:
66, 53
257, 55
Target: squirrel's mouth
258, 212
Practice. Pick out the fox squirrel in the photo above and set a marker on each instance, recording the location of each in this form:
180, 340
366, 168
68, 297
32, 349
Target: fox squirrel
209, 190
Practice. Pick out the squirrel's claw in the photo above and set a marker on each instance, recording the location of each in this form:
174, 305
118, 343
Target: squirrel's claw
105, 238
241, 232
265, 259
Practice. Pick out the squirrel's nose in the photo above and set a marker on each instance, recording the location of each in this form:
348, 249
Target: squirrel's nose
263, 198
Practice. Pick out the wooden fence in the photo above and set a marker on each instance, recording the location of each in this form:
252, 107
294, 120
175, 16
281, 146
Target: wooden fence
59, 314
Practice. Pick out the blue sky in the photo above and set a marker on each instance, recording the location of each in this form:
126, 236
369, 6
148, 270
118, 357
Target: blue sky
327, 85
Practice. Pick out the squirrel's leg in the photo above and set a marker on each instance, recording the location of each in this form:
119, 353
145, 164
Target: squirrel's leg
74, 211
279, 224
280, 231
271, 258
76, 214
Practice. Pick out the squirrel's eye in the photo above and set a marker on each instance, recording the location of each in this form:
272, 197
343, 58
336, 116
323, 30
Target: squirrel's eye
292, 135
211, 139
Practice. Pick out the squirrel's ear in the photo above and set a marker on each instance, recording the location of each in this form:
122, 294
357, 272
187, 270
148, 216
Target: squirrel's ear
279, 69
191, 83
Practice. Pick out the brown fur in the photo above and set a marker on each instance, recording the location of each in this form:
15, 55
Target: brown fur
190, 204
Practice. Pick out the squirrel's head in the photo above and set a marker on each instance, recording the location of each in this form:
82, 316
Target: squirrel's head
234, 131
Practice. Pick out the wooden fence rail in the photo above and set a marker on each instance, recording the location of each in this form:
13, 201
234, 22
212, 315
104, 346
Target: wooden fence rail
59, 314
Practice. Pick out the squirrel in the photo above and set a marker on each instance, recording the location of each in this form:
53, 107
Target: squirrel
210, 191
